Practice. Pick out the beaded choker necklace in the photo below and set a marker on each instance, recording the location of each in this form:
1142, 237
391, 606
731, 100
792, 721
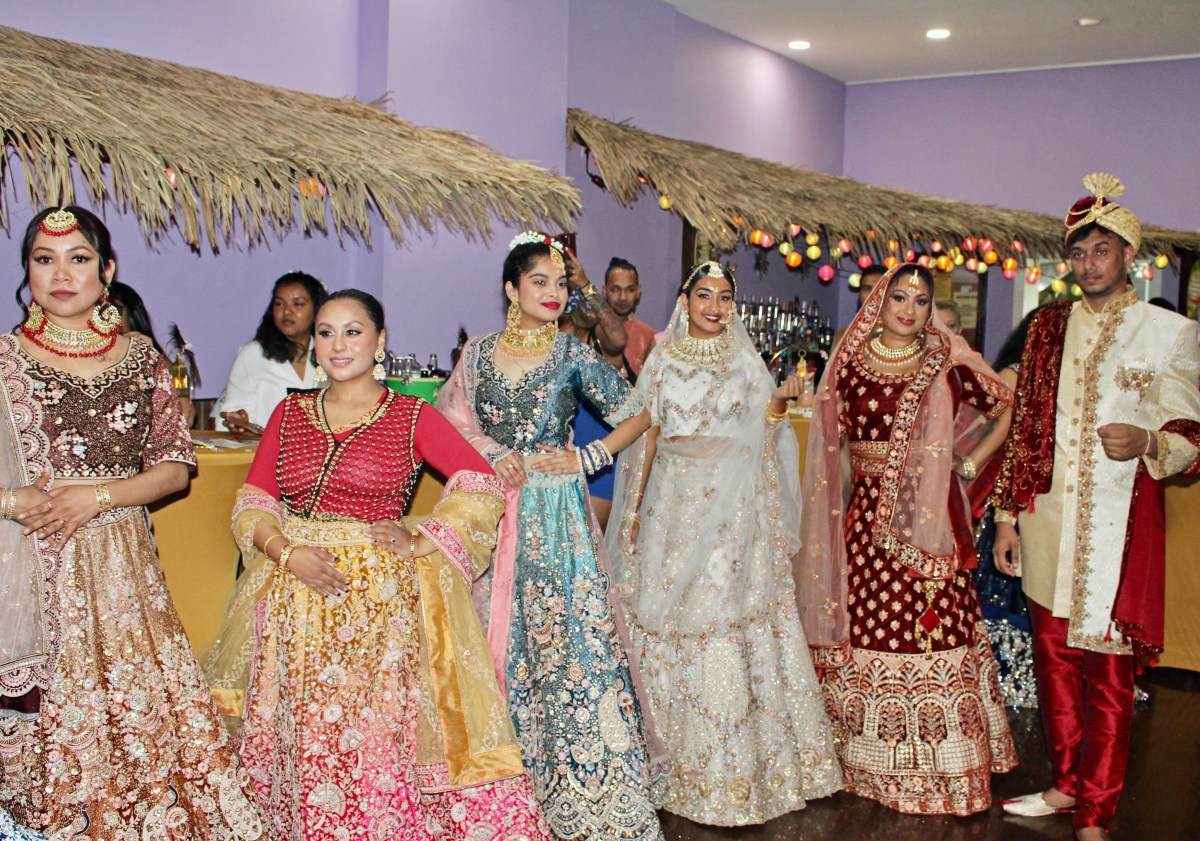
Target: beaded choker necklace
895, 357
703, 352
91, 341
526, 343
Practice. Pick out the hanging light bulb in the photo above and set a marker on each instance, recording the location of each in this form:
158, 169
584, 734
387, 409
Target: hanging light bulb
795, 259
825, 273
1161, 261
811, 238
865, 261
785, 248
969, 244
814, 252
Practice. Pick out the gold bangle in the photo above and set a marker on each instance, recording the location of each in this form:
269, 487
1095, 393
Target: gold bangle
103, 498
268, 543
771, 413
968, 467
412, 546
1149, 438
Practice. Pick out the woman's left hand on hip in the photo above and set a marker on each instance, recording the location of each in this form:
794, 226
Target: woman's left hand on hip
390, 535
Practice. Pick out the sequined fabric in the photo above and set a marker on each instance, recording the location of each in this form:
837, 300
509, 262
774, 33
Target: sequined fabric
735, 696
118, 423
1007, 618
918, 716
570, 690
128, 744
330, 727
339, 695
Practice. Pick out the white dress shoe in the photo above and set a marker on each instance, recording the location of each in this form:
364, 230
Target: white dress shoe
1033, 806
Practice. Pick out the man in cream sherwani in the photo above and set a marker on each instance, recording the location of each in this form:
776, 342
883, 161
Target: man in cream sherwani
1106, 406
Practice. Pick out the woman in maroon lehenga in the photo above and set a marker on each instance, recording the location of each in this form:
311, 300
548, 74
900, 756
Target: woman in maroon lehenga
373, 710
888, 600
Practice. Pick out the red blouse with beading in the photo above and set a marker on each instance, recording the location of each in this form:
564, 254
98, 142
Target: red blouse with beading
364, 472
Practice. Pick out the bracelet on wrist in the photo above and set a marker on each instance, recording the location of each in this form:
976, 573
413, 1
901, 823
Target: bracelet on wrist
594, 457
8, 504
967, 464
412, 545
771, 413
285, 557
267, 545
1002, 516
1149, 439
103, 498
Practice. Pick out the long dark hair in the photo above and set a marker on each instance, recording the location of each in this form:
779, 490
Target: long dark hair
93, 230
137, 319
276, 346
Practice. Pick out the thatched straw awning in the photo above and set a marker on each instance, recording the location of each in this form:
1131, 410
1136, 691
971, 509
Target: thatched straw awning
709, 187
223, 158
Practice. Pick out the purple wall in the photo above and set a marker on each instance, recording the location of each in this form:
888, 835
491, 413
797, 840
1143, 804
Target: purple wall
1024, 140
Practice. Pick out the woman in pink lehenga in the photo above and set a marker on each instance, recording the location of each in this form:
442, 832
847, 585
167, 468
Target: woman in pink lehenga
373, 710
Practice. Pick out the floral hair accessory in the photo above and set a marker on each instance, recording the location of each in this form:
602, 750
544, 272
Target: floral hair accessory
59, 223
534, 238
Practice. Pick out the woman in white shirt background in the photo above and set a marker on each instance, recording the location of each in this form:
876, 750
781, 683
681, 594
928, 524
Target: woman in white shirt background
277, 359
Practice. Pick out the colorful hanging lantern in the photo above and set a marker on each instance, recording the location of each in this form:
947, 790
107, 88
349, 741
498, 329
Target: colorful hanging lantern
1148, 272
865, 261
944, 263
814, 252
664, 202
924, 260
835, 253
986, 245
854, 281
890, 260
981, 267
910, 255
969, 244
844, 244
935, 246
972, 264
795, 230
893, 245
785, 248
990, 257
1033, 274
1161, 261
1009, 274
756, 237
812, 239
1062, 267
767, 241
1018, 246
795, 259
825, 273
1009, 264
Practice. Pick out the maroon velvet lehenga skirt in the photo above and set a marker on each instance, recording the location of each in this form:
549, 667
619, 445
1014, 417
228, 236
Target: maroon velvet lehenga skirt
918, 715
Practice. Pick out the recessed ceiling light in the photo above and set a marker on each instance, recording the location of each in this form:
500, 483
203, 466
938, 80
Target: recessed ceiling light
798, 45
1088, 21
937, 34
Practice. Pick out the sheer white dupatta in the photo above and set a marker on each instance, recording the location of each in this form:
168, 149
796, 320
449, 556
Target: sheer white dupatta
26, 564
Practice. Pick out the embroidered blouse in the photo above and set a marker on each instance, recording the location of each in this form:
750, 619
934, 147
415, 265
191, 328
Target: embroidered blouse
372, 466
122, 421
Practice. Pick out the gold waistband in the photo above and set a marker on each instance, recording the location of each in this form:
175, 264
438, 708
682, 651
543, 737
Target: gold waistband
307, 532
868, 457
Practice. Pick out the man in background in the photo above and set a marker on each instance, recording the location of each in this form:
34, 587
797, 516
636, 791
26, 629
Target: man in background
623, 291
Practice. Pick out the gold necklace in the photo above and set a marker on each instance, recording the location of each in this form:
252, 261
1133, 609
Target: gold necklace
894, 357
93, 340
527, 343
703, 352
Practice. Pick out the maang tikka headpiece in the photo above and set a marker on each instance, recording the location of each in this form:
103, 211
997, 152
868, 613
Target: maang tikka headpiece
914, 281
59, 223
710, 268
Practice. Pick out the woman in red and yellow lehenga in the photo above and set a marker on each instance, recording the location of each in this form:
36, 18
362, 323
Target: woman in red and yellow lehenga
373, 710
885, 583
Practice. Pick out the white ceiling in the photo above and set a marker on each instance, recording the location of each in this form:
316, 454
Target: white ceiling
858, 42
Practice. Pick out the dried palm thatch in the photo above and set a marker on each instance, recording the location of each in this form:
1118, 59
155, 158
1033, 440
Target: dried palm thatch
711, 188
221, 157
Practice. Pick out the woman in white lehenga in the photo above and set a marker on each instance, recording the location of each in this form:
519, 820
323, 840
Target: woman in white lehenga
709, 502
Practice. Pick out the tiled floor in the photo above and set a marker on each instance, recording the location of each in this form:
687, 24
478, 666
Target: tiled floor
1161, 801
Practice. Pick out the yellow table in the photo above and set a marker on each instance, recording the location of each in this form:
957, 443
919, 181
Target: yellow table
195, 541
1182, 644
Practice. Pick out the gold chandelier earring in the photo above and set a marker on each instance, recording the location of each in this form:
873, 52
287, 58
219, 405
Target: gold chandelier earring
36, 315
513, 318
106, 318
378, 371
320, 378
